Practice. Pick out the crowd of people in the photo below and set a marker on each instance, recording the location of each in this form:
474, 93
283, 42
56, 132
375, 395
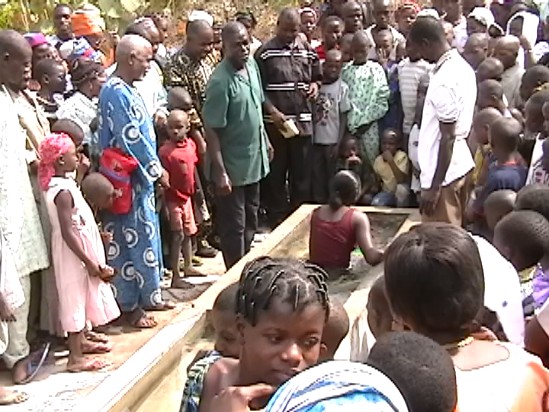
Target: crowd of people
121, 158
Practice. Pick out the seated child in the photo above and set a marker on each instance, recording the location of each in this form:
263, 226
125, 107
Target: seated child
497, 205
392, 168
442, 261
506, 173
179, 157
368, 93
52, 77
330, 120
521, 237
334, 332
413, 139
482, 123
282, 309
345, 47
351, 159
380, 320
226, 345
336, 228
421, 369
332, 30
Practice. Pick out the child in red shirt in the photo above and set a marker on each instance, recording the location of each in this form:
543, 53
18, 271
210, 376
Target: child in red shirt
179, 156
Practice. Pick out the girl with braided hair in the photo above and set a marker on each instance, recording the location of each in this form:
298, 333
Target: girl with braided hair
78, 254
282, 306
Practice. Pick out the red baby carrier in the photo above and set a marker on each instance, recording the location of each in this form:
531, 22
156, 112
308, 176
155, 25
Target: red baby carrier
117, 166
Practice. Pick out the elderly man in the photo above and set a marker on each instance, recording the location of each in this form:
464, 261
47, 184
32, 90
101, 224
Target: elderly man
237, 142
151, 88
443, 154
290, 72
124, 124
506, 51
20, 228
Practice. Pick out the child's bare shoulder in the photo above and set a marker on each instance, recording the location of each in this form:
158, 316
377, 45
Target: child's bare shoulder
221, 375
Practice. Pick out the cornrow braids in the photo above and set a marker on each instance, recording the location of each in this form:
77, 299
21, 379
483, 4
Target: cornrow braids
291, 281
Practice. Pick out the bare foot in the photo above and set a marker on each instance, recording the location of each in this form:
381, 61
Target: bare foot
192, 272
87, 365
11, 397
96, 337
95, 348
181, 283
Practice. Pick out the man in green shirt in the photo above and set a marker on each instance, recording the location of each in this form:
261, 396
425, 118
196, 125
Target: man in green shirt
237, 142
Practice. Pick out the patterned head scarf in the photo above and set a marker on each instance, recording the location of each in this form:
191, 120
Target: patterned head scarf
76, 48
338, 386
51, 149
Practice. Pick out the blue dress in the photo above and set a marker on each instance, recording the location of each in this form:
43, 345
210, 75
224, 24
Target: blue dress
136, 247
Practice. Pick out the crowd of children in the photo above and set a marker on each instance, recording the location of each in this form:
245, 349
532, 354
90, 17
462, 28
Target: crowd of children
351, 121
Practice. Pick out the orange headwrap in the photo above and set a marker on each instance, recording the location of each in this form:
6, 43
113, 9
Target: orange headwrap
84, 24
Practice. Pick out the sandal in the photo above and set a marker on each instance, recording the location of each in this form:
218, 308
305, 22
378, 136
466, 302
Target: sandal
34, 362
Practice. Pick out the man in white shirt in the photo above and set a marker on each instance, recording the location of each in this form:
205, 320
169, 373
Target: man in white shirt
443, 155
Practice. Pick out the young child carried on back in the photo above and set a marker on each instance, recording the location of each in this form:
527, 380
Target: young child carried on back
282, 309
536, 198
226, 345
334, 332
179, 156
336, 228
78, 253
506, 173
332, 30
330, 120
522, 238
345, 46
393, 169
